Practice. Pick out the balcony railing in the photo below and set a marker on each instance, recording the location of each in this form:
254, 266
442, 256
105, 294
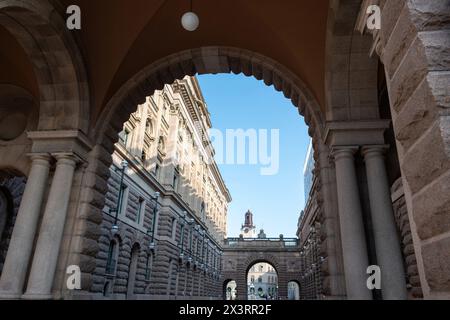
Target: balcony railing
266, 242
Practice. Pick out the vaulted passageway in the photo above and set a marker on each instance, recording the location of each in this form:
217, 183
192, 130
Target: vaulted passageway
83, 85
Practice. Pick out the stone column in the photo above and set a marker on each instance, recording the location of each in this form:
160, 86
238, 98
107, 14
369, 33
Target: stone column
50, 235
387, 242
22, 239
353, 238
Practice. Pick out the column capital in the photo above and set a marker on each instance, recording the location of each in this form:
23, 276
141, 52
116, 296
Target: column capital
67, 158
343, 151
374, 150
41, 158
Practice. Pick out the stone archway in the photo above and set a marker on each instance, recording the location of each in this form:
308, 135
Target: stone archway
271, 260
260, 287
229, 289
154, 77
57, 62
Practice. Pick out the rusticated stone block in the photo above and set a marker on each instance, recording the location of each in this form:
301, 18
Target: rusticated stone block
415, 280
426, 160
409, 75
89, 247
416, 117
432, 208
401, 38
86, 263
436, 259
412, 270
86, 280
89, 230
391, 12
410, 260
409, 250
437, 49
430, 15
440, 87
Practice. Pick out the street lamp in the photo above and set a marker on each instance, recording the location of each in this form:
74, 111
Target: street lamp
115, 227
155, 209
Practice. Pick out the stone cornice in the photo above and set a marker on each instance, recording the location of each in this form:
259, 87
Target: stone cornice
367, 132
70, 141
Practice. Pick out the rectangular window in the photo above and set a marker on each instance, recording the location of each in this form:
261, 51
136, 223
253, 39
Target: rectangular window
175, 181
148, 267
123, 137
173, 226
123, 201
157, 170
141, 210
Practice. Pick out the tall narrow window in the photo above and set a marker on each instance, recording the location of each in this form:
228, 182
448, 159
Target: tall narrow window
173, 228
148, 127
123, 137
123, 201
157, 170
141, 210
161, 145
202, 211
148, 267
175, 180
112, 258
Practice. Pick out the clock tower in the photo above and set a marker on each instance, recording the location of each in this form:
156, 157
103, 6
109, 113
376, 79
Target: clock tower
248, 229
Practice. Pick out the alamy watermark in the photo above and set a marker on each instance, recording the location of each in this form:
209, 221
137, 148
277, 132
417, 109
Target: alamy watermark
373, 18
253, 147
73, 21
374, 280
74, 277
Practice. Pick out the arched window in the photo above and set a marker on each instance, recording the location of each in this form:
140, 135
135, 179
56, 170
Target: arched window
148, 127
113, 253
148, 267
132, 270
202, 210
176, 177
161, 145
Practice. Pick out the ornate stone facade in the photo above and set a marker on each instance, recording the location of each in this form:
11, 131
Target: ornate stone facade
166, 205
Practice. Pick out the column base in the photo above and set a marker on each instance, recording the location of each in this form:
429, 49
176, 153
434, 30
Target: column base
6, 295
37, 296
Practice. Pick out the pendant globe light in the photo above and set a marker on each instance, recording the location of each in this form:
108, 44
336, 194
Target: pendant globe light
190, 20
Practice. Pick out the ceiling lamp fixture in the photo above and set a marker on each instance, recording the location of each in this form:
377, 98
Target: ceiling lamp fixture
190, 20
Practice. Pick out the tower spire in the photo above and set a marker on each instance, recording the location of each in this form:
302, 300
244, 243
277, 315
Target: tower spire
248, 229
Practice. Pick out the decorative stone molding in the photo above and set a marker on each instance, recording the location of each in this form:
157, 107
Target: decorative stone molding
356, 132
61, 142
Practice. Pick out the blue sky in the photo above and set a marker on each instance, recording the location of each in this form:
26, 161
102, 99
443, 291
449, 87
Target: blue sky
239, 102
